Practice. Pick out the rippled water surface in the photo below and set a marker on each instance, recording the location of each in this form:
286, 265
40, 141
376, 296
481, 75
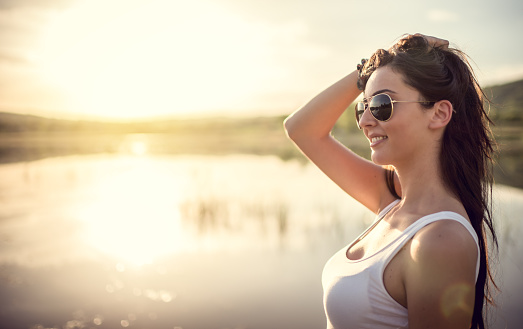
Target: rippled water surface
188, 242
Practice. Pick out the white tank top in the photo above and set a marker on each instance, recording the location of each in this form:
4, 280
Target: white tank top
354, 295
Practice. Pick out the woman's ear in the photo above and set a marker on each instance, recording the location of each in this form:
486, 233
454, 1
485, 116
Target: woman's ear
441, 114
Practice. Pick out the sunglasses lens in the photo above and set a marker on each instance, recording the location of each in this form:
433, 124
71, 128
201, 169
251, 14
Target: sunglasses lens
360, 108
381, 107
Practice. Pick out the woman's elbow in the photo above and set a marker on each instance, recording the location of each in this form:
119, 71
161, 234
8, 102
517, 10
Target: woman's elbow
289, 126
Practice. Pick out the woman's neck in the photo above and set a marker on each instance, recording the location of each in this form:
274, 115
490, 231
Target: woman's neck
423, 190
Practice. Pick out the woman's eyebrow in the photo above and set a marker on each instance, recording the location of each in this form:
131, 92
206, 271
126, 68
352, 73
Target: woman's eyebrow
381, 91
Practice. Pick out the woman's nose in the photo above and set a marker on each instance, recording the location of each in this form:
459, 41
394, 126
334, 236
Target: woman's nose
367, 119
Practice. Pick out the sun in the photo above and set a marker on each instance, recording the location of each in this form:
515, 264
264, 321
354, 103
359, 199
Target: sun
128, 59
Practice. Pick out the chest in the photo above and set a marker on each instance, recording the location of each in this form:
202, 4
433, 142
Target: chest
377, 237
353, 292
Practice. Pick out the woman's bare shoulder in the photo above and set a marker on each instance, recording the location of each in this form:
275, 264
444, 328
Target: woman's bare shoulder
440, 272
444, 249
445, 239
444, 234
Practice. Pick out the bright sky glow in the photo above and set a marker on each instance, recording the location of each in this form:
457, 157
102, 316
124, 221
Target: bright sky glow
178, 61
139, 58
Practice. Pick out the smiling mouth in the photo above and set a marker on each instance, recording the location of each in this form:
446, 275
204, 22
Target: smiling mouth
377, 139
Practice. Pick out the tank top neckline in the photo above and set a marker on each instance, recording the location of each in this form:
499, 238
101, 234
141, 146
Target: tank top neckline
380, 216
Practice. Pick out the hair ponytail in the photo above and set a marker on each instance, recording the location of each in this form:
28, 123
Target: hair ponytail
466, 162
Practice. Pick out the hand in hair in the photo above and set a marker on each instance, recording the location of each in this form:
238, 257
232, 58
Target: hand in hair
434, 42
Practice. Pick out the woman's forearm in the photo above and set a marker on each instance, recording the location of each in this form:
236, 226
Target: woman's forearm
317, 118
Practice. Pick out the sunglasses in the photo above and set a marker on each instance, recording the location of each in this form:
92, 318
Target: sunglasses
380, 106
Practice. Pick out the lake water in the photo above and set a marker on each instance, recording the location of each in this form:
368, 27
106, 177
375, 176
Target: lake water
239, 241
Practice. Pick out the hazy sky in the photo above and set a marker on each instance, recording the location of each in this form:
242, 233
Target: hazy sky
134, 58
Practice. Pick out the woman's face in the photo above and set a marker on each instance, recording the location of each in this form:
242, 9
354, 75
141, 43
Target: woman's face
405, 136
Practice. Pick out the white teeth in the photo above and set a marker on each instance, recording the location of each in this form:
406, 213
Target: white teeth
375, 139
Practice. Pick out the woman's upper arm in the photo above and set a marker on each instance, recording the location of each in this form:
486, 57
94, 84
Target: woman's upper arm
440, 277
359, 177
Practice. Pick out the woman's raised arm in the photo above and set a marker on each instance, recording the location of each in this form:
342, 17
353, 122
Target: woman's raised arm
310, 129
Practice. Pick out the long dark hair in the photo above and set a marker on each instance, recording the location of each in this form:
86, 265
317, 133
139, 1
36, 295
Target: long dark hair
467, 146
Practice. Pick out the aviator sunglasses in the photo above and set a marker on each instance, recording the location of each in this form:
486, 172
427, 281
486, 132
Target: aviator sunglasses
380, 106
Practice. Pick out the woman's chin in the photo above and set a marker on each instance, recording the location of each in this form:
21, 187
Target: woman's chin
379, 159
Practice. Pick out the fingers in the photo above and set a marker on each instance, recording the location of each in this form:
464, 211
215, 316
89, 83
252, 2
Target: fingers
434, 42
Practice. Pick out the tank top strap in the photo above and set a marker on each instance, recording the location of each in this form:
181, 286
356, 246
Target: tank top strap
378, 217
424, 221
387, 209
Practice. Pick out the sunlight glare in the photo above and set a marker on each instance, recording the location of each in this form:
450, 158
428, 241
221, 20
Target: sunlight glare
134, 216
139, 58
138, 148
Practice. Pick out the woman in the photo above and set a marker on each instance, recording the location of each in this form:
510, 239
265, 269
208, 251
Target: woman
423, 262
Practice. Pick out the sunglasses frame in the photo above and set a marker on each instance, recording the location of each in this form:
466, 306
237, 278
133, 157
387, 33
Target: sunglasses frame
367, 103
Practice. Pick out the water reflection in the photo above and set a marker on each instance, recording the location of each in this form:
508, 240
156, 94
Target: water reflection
135, 144
134, 214
139, 241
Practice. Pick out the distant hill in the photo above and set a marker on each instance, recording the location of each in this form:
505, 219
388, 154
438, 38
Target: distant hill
24, 123
13, 122
507, 101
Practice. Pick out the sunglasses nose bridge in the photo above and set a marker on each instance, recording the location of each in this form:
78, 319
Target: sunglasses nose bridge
366, 117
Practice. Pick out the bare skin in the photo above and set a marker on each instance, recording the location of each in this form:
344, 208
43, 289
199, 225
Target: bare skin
433, 276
